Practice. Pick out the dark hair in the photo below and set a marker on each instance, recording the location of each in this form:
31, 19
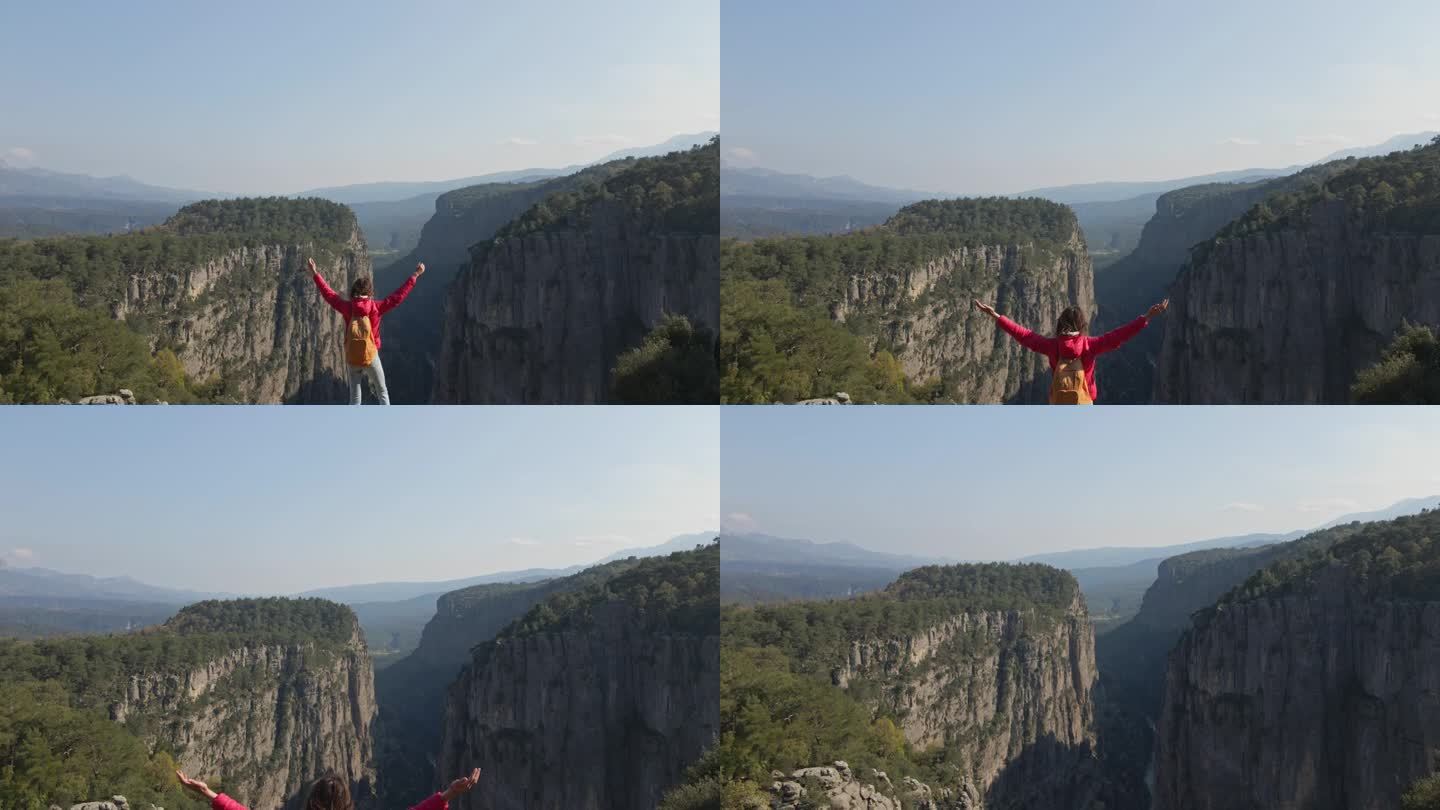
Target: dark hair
329, 793
362, 286
1071, 320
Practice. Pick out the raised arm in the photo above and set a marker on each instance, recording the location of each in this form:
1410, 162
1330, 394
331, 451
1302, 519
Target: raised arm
331, 297
218, 801
458, 788
1115, 338
393, 299
1023, 336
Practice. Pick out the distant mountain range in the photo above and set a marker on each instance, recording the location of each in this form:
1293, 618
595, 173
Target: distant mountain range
397, 191
762, 568
16, 182
43, 582
759, 182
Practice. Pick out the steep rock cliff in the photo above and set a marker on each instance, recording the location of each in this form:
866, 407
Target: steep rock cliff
260, 696
252, 317
269, 719
541, 311
1289, 303
412, 692
906, 288
988, 672
462, 218
937, 333
597, 699
221, 285
1314, 684
1012, 694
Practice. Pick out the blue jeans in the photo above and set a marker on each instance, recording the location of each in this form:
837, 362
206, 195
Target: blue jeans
376, 375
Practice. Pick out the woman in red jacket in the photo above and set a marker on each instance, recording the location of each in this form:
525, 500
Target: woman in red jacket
1072, 352
331, 793
362, 304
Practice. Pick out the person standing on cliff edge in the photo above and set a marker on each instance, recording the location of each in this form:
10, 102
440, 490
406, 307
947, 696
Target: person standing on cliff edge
330, 792
362, 328
1072, 351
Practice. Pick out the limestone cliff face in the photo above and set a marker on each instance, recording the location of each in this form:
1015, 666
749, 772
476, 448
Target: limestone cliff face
925, 314
1292, 315
1013, 692
462, 218
604, 717
252, 316
1321, 700
540, 318
268, 719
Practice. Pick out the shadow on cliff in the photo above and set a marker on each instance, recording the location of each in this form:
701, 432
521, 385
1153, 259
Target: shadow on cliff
325, 390
1048, 775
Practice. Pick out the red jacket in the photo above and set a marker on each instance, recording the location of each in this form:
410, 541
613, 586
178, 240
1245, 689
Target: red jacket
223, 802
1082, 346
365, 305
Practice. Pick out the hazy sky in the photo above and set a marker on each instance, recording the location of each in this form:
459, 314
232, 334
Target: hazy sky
1003, 97
1001, 483
256, 499
277, 97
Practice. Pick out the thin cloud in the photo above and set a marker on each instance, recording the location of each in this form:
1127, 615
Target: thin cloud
1326, 505
738, 522
20, 154
522, 541
1434, 116
1316, 140
588, 541
1242, 506
602, 140
17, 555
740, 153
516, 140
1233, 141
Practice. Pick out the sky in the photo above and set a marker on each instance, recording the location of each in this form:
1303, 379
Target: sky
270, 97
990, 98
993, 483
279, 500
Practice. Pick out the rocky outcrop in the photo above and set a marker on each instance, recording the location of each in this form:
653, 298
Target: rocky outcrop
838, 788
1009, 690
540, 318
267, 719
251, 316
606, 716
926, 316
1292, 314
1325, 698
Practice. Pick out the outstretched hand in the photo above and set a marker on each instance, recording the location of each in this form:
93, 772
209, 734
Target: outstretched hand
462, 786
1158, 309
197, 786
986, 308
419, 270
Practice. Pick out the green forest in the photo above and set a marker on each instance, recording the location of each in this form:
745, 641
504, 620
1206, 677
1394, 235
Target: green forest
677, 593
673, 365
676, 192
1408, 373
58, 337
1390, 560
778, 341
58, 744
1397, 193
779, 708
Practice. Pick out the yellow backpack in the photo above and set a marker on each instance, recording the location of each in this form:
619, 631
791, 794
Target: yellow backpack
359, 342
1068, 386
